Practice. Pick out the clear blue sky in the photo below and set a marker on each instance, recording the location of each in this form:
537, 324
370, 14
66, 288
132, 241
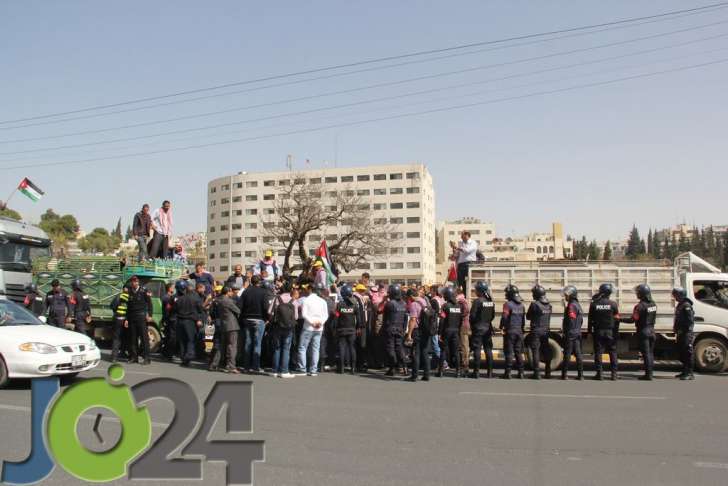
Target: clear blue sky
650, 151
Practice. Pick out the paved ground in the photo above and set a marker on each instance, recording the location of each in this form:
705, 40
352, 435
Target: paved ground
335, 430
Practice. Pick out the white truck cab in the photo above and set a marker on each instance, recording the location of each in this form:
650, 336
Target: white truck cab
20, 243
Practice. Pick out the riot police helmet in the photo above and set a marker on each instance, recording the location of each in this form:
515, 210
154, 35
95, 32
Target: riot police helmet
643, 292
606, 289
346, 291
180, 286
570, 293
482, 289
395, 292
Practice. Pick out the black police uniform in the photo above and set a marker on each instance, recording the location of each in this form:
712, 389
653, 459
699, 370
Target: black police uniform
453, 314
482, 314
427, 326
539, 314
58, 308
34, 302
138, 308
644, 316
120, 306
571, 328
346, 324
513, 323
604, 328
80, 310
188, 310
683, 327
393, 326
170, 346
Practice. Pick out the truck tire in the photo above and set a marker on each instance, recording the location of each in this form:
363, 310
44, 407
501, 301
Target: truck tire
557, 355
3, 373
711, 355
155, 338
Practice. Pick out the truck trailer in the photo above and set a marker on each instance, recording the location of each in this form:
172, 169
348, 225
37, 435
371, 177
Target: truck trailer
705, 284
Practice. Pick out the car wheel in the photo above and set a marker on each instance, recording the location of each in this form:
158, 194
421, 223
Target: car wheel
3, 373
711, 355
155, 338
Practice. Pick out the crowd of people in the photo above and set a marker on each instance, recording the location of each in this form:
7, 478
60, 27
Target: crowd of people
300, 326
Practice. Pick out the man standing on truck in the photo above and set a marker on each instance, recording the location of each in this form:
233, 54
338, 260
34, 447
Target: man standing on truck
683, 327
465, 253
138, 314
604, 329
141, 230
513, 323
644, 316
539, 314
80, 310
162, 224
59, 309
571, 327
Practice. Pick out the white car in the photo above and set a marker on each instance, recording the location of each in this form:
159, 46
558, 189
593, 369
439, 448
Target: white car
31, 349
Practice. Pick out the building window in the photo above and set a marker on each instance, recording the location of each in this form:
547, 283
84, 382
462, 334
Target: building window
314, 237
363, 192
213, 203
223, 254
396, 236
238, 212
538, 249
225, 214
251, 225
347, 178
281, 253
363, 266
238, 185
249, 254
331, 180
380, 266
268, 239
223, 268
413, 219
224, 201
238, 240
316, 180
379, 221
299, 181
269, 183
363, 207
413, 175
413, 205
237, 226
396, 190
332, 237
396, 206
251, 212
238, 199
223, 227
380, 192
413, 264
212, 229
331, 193
225, 187
551, 249
413, 234
212, 243
236, 254
380, 177
413, 250
396, 265
251, 198
213, 190
395, 177
251, 239
269, 197
379, 206
413, 190
396, 220
362, 178
212, 256
212, 216
251, 184
284, 182
348, 193
269, 211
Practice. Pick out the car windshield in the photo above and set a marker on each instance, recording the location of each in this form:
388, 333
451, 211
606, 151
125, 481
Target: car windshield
17, 257
11, 314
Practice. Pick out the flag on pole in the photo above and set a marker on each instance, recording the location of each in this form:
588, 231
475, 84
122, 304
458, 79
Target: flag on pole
322, 253
31, 190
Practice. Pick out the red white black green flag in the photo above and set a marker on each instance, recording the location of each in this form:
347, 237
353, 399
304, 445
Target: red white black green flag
30, 189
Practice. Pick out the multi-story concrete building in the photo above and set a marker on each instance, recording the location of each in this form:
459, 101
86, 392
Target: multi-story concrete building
401, 195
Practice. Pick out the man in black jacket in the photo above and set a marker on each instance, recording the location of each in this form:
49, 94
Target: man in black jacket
227, 312
683, 327
253, 316
138, 314
189, 312
141, 229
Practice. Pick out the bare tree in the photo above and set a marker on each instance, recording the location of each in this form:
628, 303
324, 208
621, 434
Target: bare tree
303, 208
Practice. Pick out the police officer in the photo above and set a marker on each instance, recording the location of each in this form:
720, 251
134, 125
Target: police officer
138, 313
539, 314
643, 316
189, 312
33, 300
423, 324
80, 309
57, 305
346, 323
452, 314
683, 327
481, 325
604, 329
393, 326
119, 305
512, 325
169, 324
571, 328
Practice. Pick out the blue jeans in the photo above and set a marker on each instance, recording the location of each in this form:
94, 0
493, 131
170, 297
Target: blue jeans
313, 339
281, 351
435, 346
254, 329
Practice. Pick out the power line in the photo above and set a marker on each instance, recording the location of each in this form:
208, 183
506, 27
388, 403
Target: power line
353, 90
375, 120
368, 61
352, 72
346, 105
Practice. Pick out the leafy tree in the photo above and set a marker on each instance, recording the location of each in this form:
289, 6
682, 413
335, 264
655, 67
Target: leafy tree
11, 214
650, 241
607, 254
128, 235
61, 229
99, 241
117, 230
593, 252
683, 244
635, 245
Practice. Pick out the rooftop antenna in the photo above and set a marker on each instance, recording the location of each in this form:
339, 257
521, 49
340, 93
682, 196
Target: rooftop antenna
289, 162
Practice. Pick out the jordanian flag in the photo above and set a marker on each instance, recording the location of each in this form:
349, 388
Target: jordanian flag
30, 189
322, 254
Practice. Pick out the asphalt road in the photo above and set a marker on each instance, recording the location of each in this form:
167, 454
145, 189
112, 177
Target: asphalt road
334, 430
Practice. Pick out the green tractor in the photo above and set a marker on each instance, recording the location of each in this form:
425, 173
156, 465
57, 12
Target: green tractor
103, 278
